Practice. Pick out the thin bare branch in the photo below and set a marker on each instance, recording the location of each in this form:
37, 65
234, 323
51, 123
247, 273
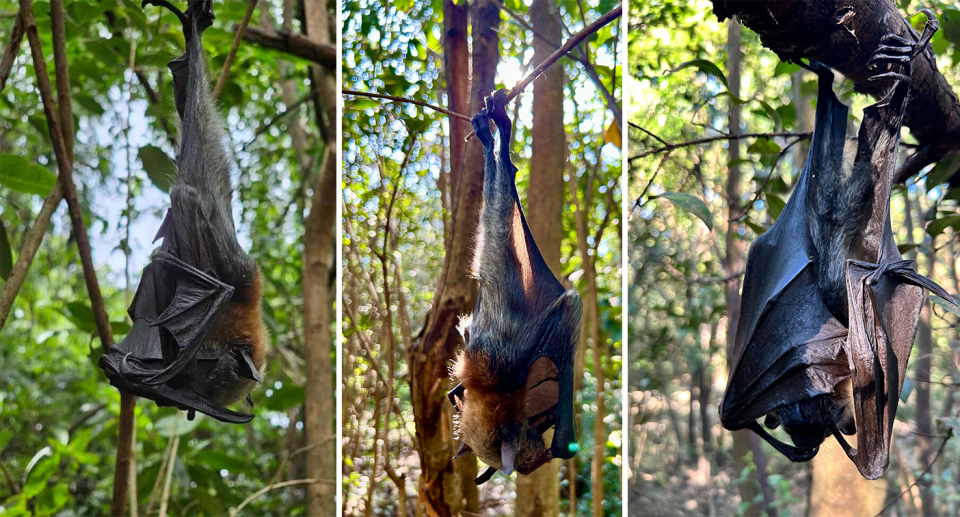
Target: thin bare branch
708, 139
11, 50
241, 30
408, 101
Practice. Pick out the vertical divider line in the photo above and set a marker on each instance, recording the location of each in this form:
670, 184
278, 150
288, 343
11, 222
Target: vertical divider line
338, 261
624, 261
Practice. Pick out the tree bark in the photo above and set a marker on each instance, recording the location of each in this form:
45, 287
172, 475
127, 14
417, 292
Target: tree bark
441, 491
318, 293
319, 411
323, 54
539, 495
744, 441
922, 373
831, 468
844, 34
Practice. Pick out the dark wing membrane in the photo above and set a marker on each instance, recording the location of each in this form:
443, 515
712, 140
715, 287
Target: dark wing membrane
784, 326
558, 342
885, 304
172, 312
198, 300
798, 355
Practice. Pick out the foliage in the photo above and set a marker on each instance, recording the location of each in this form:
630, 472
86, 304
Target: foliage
678, 90
396, 49
58, 415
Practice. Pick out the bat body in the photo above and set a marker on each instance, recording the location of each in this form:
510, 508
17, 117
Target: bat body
198, 340
829, 307
516, 372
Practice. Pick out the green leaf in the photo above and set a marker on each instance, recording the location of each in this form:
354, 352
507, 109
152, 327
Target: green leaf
764, 146
774, 116
691, 204
176, 424
82, 316
942, 171
785, 68
286, 397
41, 472
776, 205
119, 328
906, 247
160, 168
704, 66
757, 229
950, 27
53, 499
5, 436
937, 226
6, 253
945, 305
218, 460
19, 175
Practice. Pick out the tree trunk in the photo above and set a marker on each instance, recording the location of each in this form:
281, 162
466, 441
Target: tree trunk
922, 374
830, 469
539, 494
744, 441
441, 491
456, 67
319, 408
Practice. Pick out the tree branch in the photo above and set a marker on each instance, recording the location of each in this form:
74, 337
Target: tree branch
31, 243
707, 139
11, 50
294, 44
598, 24
63, 148
233, 49
408, 101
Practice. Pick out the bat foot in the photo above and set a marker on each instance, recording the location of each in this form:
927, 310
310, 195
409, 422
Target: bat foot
167, 5
929, 29
498, 111
481, 126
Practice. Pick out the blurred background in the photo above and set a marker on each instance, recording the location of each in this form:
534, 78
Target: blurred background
687, 258
412, 192
58, 414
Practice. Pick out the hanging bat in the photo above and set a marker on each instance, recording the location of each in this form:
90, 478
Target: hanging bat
830, 308
198, 340
516, 372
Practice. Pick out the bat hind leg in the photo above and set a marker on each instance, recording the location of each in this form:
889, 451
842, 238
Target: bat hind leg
896, 50
793, 453
481, 126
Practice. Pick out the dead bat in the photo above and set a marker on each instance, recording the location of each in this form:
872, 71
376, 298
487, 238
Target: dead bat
198, 340
516, 373
830, 308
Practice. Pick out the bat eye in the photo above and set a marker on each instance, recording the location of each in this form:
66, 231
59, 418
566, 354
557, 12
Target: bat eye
771, 421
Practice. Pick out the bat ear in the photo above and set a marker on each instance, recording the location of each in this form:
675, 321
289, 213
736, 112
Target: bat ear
463, 450
165, 227
454, 394
508, 455
246, 368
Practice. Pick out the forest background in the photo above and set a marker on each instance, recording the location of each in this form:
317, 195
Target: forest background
412, 189
697, 199
58, 415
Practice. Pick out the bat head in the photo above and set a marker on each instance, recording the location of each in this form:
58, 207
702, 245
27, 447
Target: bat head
810, 421
504, 423
238, 341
